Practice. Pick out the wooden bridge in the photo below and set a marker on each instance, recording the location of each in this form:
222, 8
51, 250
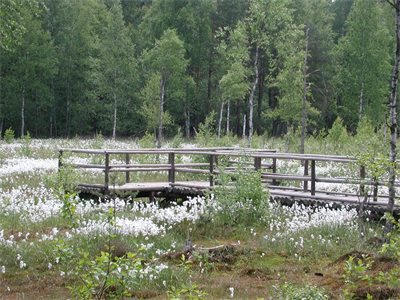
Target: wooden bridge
191, 172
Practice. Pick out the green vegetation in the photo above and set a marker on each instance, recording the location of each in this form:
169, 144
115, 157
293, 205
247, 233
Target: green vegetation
245, 246
125, 68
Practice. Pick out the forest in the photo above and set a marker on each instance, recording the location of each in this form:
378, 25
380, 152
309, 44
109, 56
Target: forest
124, 68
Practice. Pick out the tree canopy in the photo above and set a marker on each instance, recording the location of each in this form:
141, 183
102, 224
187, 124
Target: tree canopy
79, 67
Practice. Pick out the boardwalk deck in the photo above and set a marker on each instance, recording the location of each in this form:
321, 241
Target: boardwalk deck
262, 160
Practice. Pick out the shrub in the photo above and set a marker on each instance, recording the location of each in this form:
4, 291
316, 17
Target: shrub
240, 194
9, 135
338, 133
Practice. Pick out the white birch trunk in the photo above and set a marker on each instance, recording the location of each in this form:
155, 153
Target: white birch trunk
161, 108
228, 116
244, 127
362, 79
23, 112
304, 117
251, 100
220, 120
115, 108
187, 122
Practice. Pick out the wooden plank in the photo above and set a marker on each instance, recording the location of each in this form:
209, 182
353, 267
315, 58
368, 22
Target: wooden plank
89, 166
196, 171
139, 169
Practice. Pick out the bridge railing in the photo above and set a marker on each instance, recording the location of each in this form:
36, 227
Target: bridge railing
206, 168
263, 160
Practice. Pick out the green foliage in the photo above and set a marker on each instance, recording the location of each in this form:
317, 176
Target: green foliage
392, 277
289, 291
186, 292
240, 194
206, 135
355, 271
105, 276
338, 133
367, 140
9, 135
26, 142
364, 64
12, 21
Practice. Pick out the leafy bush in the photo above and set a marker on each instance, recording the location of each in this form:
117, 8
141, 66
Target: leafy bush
240, 194
9, 135
338, 133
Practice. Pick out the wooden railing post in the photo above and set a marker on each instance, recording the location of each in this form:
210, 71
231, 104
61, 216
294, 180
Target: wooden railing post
257, 163
211, 170
60, 154
375, 188
312, 177
171, 172
274, 170
127, 161
305, 184
106, 172
362, 177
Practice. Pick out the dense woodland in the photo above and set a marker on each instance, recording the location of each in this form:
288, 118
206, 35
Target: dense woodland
127, 67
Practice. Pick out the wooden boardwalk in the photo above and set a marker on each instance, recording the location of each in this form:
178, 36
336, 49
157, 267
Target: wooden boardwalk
262, 160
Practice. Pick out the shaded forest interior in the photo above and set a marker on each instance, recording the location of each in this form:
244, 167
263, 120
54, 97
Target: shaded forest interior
127, 67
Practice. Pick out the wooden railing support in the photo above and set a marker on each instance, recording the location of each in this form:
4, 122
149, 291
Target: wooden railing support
274, 182
127, 161
257, 163
211, 170
375, 188
106, 172
362, 177
305, 182
60, 154
313, 177
171, 172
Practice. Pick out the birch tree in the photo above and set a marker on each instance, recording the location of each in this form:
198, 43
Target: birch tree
166, 61
114, 71
364, 64
393, 122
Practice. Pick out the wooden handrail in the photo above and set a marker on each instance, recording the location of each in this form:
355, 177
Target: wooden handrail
211, 168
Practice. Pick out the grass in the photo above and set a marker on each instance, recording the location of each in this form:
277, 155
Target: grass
283, 253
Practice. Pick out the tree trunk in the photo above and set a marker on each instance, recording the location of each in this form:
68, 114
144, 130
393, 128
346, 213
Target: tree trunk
161, 108
115, 117
187, 121
220, 120
68, 121
287, 137
244, 127
303, 124
362, 78
393, 125
23, 111
228, 116
251, 100
260, 97
115, 108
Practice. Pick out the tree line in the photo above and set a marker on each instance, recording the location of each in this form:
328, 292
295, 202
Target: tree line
127, 67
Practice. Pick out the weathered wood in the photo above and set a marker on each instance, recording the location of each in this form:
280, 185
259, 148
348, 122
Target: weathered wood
313, 177
258, 155
171, 174
139, 169
127, 174
305, 182
106, 172
89, 166
195, 171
